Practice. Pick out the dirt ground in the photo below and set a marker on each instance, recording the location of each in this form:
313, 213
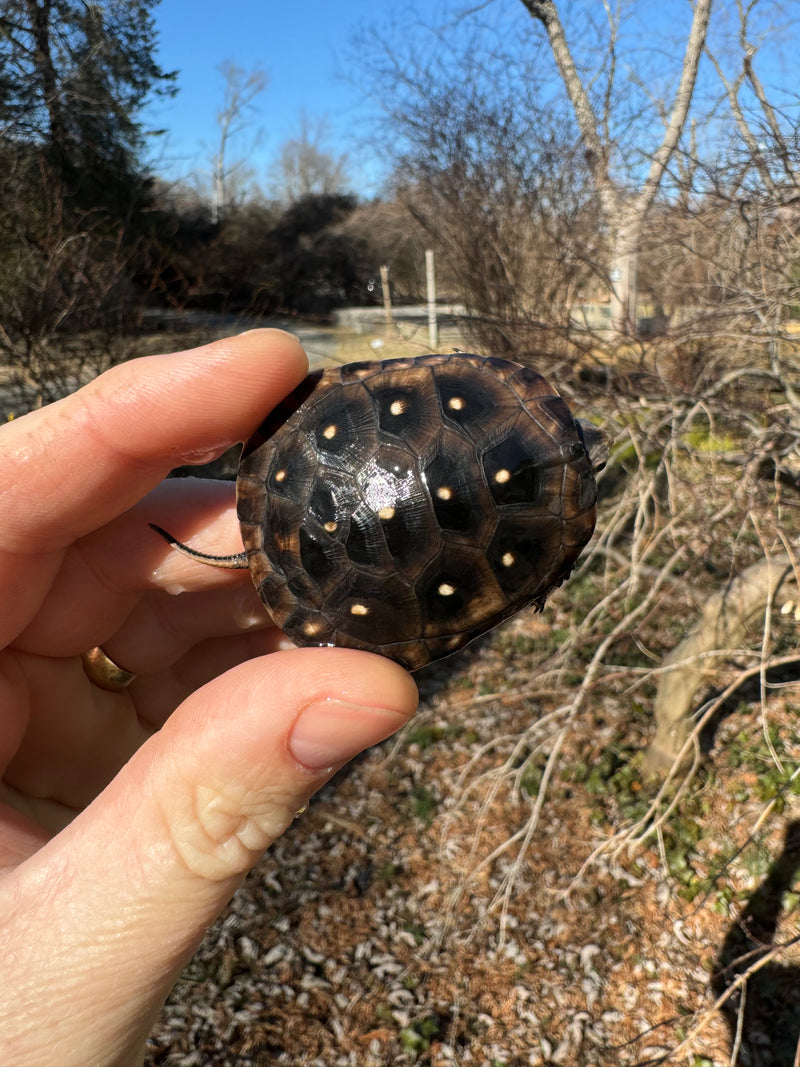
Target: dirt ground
464, 895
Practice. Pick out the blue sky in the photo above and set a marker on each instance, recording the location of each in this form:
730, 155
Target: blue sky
302, 47
305, 48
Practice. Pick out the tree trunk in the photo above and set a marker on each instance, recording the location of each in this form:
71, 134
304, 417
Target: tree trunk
722, 626
624, 218
39, 21
622, 273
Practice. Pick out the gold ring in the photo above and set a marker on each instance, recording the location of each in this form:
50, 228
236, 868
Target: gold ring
103, 672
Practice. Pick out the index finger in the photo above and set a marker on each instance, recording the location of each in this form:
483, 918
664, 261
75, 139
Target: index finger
79, 463
75, 465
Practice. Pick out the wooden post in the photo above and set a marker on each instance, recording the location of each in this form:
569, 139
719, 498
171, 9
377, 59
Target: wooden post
433, 325
387, 296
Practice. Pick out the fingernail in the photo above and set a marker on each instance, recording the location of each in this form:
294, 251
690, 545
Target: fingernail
333, 731
269, 329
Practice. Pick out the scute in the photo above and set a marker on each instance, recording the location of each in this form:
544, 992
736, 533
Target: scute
342, 425
457, 487
406, 404
522, 555
456, 589
406, 507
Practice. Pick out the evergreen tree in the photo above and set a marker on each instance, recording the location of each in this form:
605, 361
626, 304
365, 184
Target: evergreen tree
73, 185
73, 79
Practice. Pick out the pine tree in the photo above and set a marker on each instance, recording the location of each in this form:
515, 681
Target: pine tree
73, 79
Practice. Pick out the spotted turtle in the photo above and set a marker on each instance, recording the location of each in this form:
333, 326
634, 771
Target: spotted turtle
406, 507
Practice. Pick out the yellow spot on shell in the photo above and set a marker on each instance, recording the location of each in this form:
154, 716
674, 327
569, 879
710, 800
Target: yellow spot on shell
445, 589
507, 559
359, 609
331, 526
397, 407
444, 492
386, 513
503, 476
456, 403
330, 431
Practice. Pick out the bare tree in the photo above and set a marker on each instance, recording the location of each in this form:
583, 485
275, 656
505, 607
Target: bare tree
305, 167
242, 87
760, 125
490, 171
65, 291
74, 186
623, 213
515, 237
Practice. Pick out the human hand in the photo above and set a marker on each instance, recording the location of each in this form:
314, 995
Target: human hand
127, 819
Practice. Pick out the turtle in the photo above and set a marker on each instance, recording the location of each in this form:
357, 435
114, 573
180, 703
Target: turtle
407, 506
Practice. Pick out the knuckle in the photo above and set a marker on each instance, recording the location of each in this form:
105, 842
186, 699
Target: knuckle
225, 830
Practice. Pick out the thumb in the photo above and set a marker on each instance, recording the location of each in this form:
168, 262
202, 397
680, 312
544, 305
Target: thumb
120, 899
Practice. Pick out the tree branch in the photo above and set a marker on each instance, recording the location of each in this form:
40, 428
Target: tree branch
732, 92
680, 107
546, 12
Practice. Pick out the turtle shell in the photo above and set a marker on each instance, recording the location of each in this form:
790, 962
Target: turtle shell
406, 507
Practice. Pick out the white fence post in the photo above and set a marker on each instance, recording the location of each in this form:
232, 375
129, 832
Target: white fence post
433, 325
387, 296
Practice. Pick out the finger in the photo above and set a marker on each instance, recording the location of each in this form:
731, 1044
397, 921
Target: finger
57, 752
125, 575
58, 755
156, 695
143, 871
163, 629
79, 463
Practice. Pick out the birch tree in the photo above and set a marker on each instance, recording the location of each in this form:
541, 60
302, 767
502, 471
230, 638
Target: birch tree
623, 212
242, 87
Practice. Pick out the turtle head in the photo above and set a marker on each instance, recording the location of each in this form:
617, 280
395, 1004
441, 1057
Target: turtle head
595, 441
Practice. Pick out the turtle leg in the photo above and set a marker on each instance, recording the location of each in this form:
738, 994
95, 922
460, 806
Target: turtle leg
237, 561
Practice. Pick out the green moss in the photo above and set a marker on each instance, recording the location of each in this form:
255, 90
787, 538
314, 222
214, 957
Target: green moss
703, 439
532, 778
388, 872
417, 1037
417, 931
427, 734
423, 804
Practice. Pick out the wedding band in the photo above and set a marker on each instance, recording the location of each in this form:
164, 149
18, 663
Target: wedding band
103, 672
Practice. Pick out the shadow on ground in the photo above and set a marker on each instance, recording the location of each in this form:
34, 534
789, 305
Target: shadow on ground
763, 1013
